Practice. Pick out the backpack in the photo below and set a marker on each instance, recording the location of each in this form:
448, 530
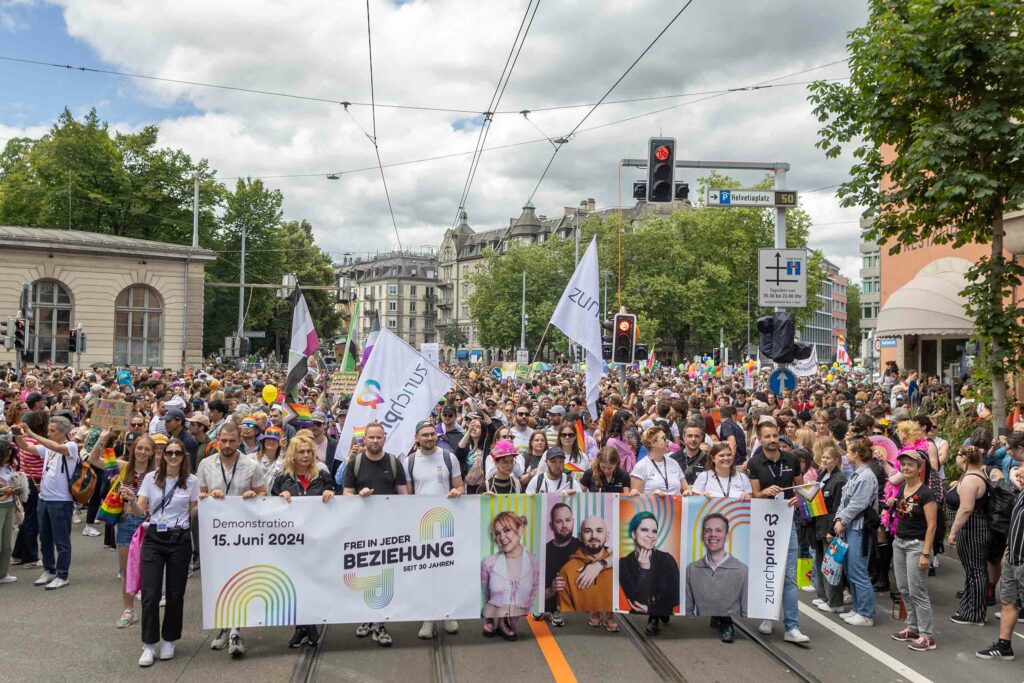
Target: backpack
411, 462
81, 482
358, 464
1000, 506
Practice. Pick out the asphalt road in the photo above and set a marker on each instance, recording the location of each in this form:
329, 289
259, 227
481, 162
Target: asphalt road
70, 635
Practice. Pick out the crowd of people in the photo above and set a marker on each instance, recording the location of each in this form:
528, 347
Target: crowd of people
873, 448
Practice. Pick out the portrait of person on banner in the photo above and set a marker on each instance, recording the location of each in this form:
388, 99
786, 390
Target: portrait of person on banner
716, 583
579, 557
649, 557
510, 565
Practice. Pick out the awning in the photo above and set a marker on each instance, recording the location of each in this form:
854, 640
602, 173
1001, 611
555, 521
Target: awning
930, 304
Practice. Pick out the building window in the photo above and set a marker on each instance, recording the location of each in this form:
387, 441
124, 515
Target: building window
412, 324
392, 305
412, 306
412, 290
138, 314
392, 322
392, 289
50, 326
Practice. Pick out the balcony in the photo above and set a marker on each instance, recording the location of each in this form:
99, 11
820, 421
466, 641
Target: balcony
446, 302
445, 285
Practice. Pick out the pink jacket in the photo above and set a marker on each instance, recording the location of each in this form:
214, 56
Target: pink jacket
133, 573
502, 589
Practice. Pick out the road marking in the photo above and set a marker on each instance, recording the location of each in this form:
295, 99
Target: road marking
864, 646
556, 661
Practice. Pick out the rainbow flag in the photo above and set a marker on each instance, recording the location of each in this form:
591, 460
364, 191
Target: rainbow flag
301, 412
358, 433
571, 467
812, 501
581, 439
109, 462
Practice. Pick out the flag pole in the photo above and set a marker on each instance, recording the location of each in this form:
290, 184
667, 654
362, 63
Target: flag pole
542, 338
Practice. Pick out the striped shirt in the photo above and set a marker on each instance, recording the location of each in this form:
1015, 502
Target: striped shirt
1015, 537
31, 463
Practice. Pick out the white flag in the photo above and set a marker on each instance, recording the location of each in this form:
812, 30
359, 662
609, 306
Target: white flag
806, 368
398, 387
578, 316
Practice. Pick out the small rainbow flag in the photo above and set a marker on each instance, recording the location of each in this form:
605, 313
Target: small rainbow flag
109, 462
581, 439
571, 467
358, 433
811, 499
301, 412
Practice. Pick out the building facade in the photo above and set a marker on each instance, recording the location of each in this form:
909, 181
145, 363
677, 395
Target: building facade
400, 286
870, 295
139, 302
829, 321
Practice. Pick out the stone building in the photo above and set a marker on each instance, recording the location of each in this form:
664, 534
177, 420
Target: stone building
139, 302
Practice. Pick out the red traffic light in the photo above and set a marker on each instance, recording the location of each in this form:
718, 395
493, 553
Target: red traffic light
662, 153
624, 325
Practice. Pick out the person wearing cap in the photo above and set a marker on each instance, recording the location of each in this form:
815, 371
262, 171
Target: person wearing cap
432, 471
198, 426
553, 478
271, 452
326, 446
250, 431
174, 422
450, 433
556, 417
276, 415
502, 481
35, 401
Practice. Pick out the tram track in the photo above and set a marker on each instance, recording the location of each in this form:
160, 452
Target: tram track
308, 663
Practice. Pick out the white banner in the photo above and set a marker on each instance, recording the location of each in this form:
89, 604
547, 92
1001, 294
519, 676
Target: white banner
806, 368
398, 387
411, 558
578, 315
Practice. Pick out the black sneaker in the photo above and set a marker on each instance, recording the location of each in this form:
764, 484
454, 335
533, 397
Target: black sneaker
312, 636
957, 619
1001, 649
299, 638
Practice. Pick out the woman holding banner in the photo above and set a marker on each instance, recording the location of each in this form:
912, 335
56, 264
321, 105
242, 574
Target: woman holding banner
301, 475
271, 453
649, 577
510, 578
657, 473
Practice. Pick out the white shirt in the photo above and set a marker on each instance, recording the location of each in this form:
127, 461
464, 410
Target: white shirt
659, 476
722, 487
430, 475
55, 485
6, 479
521, 438
245, 475
542, 484
169, 505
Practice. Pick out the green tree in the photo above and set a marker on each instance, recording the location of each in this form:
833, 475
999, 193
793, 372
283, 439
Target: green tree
935, 111
454, 337
853, 315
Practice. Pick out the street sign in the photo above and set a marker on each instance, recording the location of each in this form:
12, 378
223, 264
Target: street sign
752, 198
522, 356
781, 379
255, 334
782, 278
888, 343
878, 344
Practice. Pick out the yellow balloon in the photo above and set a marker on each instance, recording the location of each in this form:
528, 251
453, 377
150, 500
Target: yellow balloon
472, 375
214, 384
270, 393
830, 377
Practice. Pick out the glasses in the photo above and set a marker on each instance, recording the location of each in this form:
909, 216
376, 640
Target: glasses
138, 424
567, 435
174, 454
522, 415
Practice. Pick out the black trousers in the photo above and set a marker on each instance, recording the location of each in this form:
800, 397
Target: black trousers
168, 552
26, 545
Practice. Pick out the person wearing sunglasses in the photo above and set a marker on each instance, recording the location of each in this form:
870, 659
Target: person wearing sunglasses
170, 496
521, 429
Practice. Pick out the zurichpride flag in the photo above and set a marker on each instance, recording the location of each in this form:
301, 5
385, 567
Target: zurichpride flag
577, 315
303, 345
397, 387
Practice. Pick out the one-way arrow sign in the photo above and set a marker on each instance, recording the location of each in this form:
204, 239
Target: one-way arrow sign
782, 278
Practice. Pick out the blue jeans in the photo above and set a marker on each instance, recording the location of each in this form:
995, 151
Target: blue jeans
55, 530
857, 575
790, 596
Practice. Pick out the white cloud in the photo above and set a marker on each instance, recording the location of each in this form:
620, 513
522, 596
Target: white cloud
448, 53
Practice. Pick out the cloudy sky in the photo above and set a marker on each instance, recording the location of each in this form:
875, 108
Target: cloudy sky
442, 54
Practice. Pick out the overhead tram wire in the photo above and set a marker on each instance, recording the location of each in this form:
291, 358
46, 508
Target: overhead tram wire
499, 91
373, 113
565, 139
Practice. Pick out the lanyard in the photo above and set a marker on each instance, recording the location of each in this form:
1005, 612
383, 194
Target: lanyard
776, 475
223, 473
547, 490
725, 492
664, 475
164, 500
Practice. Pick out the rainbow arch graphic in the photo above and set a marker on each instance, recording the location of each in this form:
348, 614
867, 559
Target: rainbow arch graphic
378, 590
441, 518
265, 583
736, 511
663, 509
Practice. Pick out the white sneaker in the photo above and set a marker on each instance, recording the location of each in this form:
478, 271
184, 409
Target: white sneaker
860, 620
166, 650
44, 578
765, 627
91, 531
76, 518
220, 641
147, 656
236, 648
57, 583
8, 579
823, 606
794, 635
451, 626
808, 589
426, 630
817, 601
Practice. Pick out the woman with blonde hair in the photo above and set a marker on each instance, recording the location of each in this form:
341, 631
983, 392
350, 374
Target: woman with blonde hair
302, 475
804, 438
510, 577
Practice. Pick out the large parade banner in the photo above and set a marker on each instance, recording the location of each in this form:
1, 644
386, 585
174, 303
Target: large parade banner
409, 558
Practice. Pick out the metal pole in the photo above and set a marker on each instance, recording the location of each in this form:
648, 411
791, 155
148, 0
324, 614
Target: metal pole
746, 351
195, 212
241, 290
576, 236
522, 328
78, 349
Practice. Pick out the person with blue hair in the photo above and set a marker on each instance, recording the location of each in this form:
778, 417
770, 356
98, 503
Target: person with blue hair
649, 577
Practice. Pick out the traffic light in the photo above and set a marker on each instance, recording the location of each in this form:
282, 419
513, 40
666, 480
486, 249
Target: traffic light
73, 341
606, 339
716, 354
20, 333
7, 333
624, 338
682, 192
661, 170
778, 338
640, 352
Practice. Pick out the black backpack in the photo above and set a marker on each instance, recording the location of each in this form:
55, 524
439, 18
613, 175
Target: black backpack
1000, 506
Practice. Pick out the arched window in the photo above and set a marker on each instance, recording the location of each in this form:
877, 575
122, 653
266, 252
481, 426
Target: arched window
51, 324
138, 315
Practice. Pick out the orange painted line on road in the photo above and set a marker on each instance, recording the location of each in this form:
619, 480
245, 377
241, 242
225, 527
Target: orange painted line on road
552, 653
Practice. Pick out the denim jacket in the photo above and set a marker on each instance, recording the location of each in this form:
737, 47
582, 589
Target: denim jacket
860, 492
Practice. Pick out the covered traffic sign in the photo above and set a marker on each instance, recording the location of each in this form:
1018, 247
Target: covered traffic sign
780, 380
782, 278
751, 198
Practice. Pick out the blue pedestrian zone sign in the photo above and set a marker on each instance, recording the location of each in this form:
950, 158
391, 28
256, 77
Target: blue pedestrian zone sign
780, 380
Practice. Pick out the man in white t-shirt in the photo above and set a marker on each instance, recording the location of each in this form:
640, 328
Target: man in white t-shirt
521, 430
431, 471
60, 457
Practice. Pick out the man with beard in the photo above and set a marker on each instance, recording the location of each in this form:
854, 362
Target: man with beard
521, 430
693, 456
716, 584
596, 598
558, 551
